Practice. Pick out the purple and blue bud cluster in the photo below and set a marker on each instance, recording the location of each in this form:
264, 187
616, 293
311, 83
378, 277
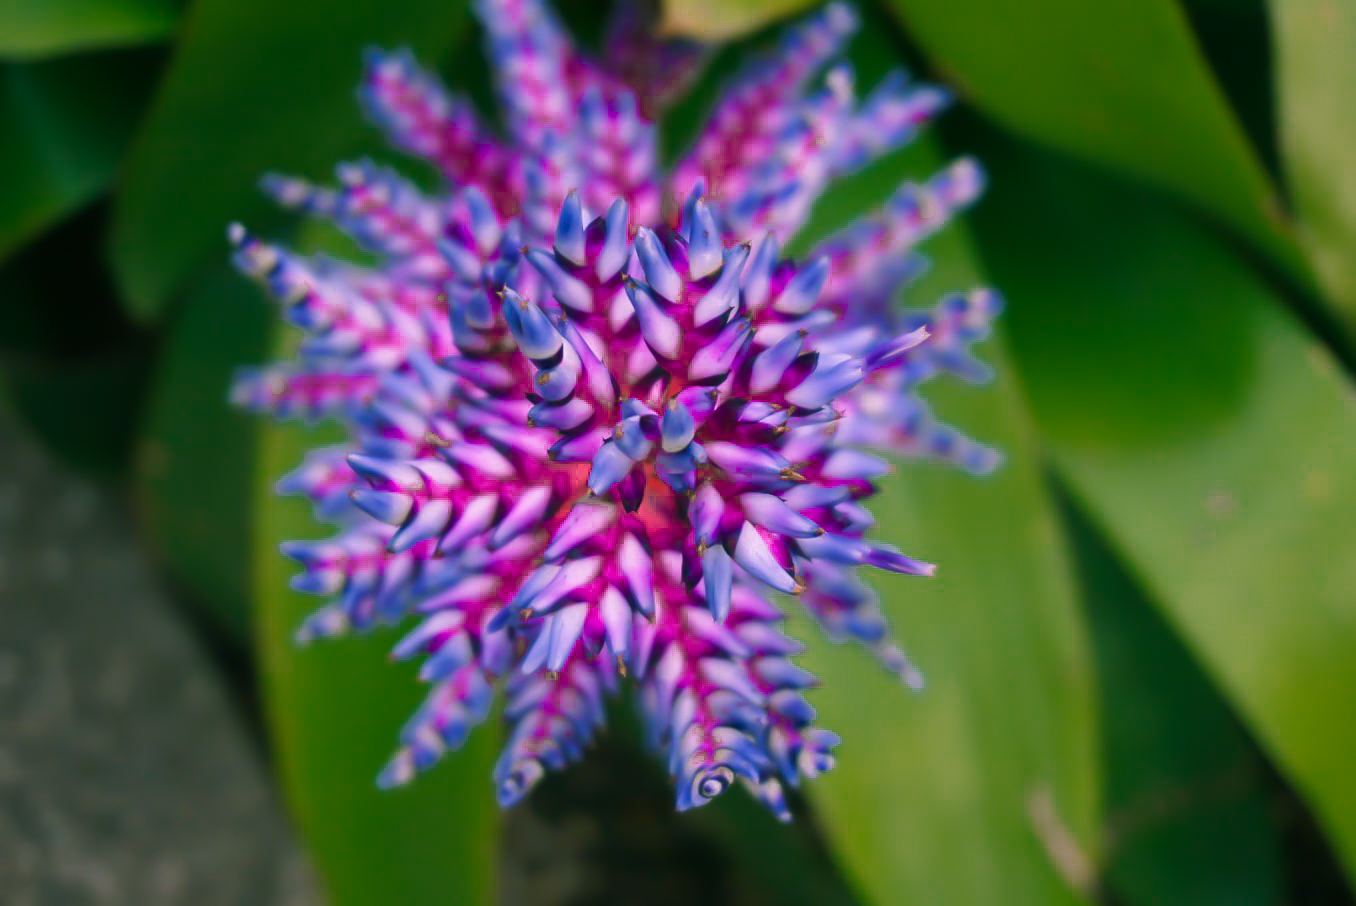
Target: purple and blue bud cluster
595, 417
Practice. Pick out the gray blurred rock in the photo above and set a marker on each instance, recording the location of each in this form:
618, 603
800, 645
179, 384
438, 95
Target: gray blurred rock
126, 774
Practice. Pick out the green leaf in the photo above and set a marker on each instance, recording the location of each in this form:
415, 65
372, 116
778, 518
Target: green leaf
721, 20
33, 28
970, 792
335, 711
1117, 82
1316, 78
195, 463
66, 123
982, 788
1188, 815
255, 86
1208, 437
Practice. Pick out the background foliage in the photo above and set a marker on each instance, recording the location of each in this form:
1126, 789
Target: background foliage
1140, 646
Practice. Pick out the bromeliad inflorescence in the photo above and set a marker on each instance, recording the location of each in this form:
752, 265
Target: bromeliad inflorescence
595, 418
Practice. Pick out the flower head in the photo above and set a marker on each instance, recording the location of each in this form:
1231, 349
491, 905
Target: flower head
596, 418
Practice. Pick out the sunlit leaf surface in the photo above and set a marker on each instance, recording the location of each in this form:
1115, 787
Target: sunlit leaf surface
34, 28
1209, 437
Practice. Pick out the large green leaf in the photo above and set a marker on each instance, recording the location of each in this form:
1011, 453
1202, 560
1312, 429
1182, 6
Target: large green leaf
335, 710
981, 789
32, 28
1188, 813
195, 463
1208, 437
66, 124
1118, 82
1316, 81
970, 792
254, 86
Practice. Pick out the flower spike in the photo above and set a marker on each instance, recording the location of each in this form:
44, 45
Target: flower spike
592, 436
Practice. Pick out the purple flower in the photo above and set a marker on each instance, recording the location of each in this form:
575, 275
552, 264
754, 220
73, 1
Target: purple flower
595, 418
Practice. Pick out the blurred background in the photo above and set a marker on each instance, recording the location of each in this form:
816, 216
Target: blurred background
1141, 646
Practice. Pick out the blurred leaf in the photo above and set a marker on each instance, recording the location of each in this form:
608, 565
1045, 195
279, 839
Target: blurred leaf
1316, 82
32, 28
84, 411
1235, 39
254, 86
195, 464
52, 310
335, 711
66, 123
1208, 437
76, 367
721, 20
1117, 82
1188, 818
972, 791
